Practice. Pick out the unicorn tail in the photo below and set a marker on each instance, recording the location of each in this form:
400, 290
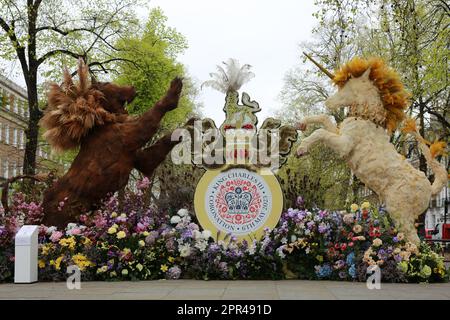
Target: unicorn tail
430, 153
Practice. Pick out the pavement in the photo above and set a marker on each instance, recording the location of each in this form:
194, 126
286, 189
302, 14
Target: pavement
218, 290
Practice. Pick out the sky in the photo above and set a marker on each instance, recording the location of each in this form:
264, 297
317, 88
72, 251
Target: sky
263, 33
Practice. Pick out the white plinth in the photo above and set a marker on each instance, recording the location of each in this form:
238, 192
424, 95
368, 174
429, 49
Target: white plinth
26, 255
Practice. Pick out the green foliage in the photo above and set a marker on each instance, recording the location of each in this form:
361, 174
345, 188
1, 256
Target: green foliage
320, 178
154, 53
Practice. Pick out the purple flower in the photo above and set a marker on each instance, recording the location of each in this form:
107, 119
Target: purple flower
223, 266
193, 226
151, 238
186, 234
382, 254
397, 258
300, 201
310, 225
323, 214
291, 213
339, 264
323, 228
342, 274
2, 230
173, 273
301, 215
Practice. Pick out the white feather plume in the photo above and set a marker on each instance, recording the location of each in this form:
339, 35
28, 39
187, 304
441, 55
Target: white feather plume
231, 78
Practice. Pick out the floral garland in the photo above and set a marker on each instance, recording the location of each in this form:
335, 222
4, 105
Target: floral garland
140, 243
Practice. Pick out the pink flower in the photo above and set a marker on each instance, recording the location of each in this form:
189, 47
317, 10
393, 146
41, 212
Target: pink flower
100, 222
141, 227
75, 231
56, 236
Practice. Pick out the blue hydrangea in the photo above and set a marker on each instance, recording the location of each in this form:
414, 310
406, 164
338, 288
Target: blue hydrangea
350, 258
352, 271
323, 271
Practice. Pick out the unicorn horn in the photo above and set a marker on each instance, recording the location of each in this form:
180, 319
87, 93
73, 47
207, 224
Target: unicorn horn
328, 73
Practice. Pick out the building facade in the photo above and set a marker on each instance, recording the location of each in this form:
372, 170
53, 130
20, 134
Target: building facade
13, 123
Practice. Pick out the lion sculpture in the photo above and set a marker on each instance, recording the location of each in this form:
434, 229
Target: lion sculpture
376, 100
92, 116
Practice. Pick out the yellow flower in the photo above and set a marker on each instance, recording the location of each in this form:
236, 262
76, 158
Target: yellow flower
365, 205
164, 268
121, 234
58, 262
141, 243
112, 230
145, 233
354, 207
400, 236
319, 258
82, 261
112, 274
87, 241
102, 269
124, 272
114, 214
123, 215
171, 259
46, 248
41, 264
139, 267
68, 242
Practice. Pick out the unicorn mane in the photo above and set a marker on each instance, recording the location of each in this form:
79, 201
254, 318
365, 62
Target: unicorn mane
392, 92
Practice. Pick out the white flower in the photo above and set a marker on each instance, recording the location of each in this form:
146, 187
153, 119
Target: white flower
201, 245
185, 250
175, 219
280, 252
307, 231
206, 234
197, 234
70, 226
50, 230
284, 240
251, 250
183, 212
377, 242
293, 238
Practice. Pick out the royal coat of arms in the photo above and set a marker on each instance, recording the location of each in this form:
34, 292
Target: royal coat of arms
239, 193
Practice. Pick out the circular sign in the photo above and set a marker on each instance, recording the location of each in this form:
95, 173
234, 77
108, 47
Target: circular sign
238, 201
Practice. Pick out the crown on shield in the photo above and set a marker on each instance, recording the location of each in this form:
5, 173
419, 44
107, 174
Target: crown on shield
238, 201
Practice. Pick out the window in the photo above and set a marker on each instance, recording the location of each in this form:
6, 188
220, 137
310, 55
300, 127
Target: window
15, 137
14, 169
22, 139
6, 133
5, 169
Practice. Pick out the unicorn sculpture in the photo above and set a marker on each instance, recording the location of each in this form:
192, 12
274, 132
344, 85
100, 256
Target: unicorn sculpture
376, 100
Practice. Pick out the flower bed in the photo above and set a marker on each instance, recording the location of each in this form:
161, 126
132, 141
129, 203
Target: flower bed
138, 242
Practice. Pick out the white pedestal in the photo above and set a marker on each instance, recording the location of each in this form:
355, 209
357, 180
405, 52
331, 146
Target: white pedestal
26, 255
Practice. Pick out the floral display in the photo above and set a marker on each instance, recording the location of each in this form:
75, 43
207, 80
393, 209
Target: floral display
128, 240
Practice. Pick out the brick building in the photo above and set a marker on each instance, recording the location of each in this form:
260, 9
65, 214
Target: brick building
13, 122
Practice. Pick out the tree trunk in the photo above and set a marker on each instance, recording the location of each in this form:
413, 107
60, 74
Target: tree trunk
32, 132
